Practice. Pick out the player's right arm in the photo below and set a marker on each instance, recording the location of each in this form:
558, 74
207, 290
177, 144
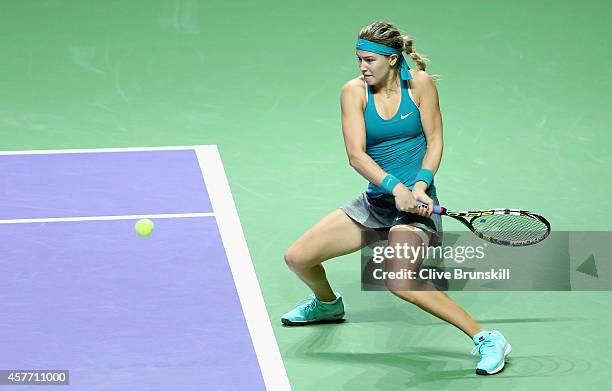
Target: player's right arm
353, 130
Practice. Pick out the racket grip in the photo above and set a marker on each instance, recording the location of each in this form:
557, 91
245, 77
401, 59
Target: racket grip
437, 209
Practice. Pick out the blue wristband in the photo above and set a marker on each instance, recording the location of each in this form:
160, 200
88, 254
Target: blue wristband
388, 183
424, 175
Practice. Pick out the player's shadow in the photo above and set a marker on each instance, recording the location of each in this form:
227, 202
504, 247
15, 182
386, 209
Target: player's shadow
384, 315
438, 369
515, 320
418, 369
428, 368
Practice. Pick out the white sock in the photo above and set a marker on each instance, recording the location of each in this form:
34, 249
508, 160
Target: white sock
329, 302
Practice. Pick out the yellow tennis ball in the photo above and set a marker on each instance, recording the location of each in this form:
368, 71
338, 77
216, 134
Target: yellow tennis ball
144, 227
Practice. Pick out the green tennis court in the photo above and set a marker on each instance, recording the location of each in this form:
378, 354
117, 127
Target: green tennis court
525, 103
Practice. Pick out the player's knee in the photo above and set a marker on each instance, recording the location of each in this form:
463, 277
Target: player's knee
405, 291
290, 257
408, 234
295, 259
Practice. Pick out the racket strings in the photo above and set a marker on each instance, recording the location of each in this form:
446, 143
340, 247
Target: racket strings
511, 227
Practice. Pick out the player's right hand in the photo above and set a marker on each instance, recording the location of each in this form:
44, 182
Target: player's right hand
404, 200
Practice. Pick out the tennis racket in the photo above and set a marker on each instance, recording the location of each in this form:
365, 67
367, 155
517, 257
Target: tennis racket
507, 227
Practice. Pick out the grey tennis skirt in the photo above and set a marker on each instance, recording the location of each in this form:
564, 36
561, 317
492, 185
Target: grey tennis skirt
380, 213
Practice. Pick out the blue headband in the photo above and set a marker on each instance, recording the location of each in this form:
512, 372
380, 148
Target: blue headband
374, 47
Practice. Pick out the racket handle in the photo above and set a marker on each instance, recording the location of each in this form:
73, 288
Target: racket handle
437, 209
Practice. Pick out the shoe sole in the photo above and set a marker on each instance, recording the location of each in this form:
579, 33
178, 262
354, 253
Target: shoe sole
287, 322
498, 368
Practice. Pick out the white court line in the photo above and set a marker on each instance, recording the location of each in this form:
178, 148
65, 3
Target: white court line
249, 292
101, 150
103, 218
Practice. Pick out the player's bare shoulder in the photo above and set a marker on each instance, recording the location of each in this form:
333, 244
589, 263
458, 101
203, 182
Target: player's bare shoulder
354, 85
353, 91
421, 84
421, 79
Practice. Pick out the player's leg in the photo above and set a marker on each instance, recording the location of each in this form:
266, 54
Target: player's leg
419, 293
334, 235
491, 345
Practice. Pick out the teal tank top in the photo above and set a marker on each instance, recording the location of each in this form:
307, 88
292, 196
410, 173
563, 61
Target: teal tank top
397, 145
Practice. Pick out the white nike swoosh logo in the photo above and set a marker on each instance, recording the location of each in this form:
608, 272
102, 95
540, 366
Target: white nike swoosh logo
402, 116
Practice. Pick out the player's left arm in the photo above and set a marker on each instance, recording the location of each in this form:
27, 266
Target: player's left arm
431, 119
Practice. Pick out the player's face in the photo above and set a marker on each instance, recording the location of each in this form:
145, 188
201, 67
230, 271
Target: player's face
374, 67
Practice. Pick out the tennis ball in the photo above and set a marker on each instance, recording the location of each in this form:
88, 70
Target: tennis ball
144, 227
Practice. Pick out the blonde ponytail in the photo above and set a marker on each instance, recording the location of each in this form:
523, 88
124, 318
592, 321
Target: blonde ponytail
420, 59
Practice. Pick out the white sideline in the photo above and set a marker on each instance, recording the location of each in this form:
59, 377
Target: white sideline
253, 305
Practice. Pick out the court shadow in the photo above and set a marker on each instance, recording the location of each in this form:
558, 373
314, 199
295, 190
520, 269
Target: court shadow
387, 314
515, 320
533, 320
417, 319
419, 369
312, 325
438, 369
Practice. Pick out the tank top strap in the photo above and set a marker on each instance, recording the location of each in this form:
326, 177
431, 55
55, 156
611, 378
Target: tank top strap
404, 86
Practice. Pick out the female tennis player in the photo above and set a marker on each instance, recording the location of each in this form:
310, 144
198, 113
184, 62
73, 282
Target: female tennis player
392, 129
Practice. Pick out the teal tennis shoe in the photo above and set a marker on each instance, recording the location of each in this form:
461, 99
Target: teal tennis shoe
493, 349
312, 311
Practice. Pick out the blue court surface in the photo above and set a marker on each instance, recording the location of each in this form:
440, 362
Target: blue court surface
81, 291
